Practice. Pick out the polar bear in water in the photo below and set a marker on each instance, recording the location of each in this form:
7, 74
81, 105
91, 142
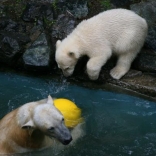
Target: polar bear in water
117, 31
32, 126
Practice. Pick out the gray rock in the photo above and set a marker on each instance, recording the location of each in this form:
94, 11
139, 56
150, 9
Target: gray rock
78, 8
38, 12
41, 40
148, 11
11, 46
37, 56
146, 61
121, 3
63, 26
7, 24
2, 11
35, 32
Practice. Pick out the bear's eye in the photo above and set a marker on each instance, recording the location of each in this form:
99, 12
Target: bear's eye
71, 53
66, 68
62, 119
51, 129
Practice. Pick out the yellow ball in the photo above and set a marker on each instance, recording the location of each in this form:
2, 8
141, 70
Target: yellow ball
71, 113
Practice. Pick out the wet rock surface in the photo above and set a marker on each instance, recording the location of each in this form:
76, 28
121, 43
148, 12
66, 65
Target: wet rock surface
142, 83
135, 80
30, 29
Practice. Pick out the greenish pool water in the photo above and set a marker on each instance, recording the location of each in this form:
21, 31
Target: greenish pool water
115, 124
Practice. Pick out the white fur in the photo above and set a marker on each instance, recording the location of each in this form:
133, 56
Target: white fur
117, 31
27, 128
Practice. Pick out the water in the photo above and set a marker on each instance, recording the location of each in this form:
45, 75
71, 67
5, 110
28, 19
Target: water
115, 124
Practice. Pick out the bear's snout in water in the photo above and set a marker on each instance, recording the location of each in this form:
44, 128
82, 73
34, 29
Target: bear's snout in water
67, 141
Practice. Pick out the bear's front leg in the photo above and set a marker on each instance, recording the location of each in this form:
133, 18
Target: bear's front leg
94, 66
123, 65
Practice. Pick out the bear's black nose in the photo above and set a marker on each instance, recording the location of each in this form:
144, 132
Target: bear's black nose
67, 141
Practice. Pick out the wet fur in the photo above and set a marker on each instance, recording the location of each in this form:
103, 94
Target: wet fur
15, 139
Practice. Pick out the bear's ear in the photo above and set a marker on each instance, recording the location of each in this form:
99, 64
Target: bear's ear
58, 43
50, 100
28, 125
74, 55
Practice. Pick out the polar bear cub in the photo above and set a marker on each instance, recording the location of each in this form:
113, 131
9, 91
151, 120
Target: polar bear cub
117, 31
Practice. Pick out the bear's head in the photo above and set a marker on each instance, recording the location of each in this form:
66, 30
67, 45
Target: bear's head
67, 55
46, 118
